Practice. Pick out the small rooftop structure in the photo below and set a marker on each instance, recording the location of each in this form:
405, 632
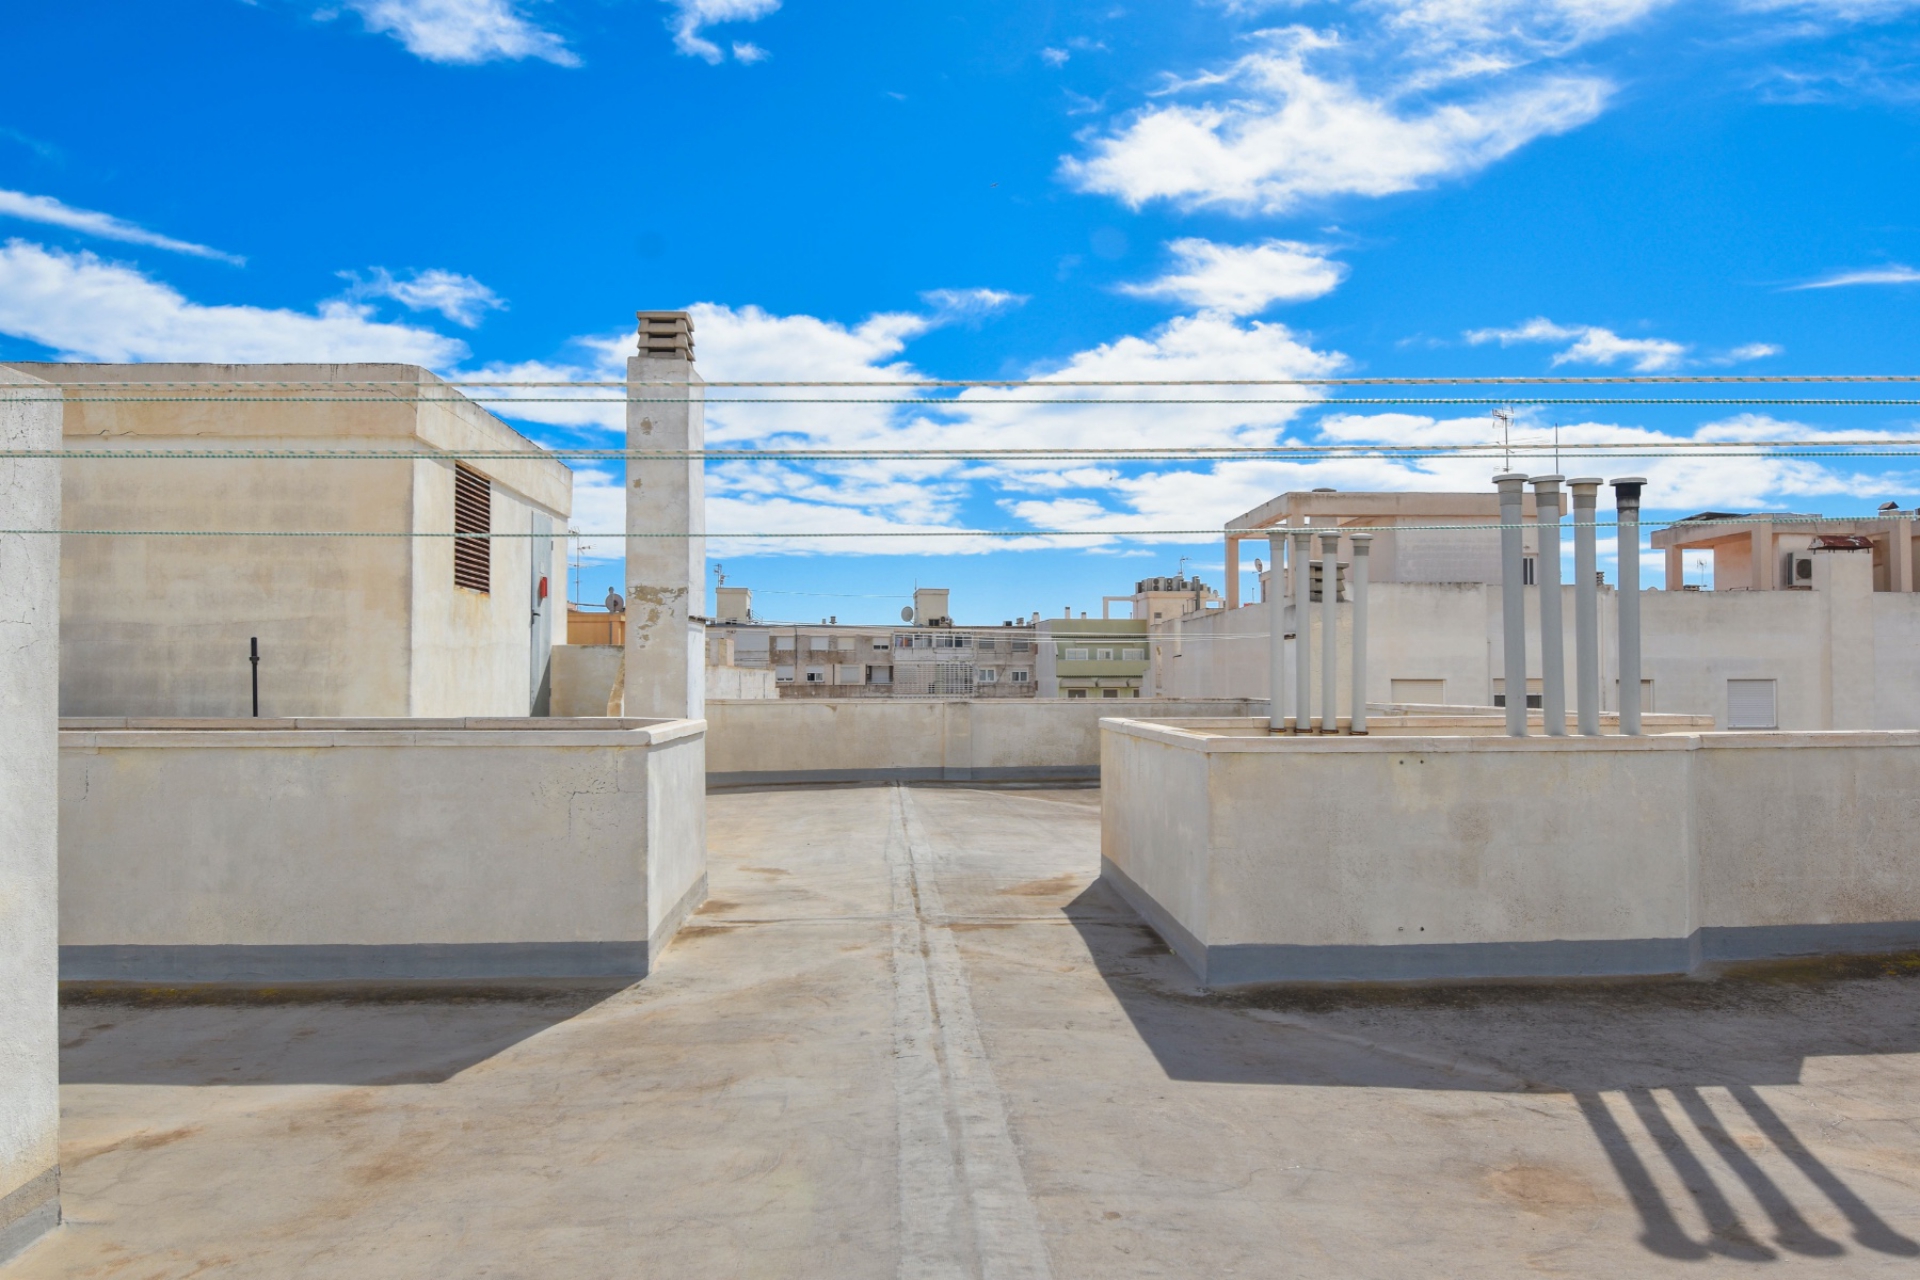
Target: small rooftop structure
1415, 553
1756, 551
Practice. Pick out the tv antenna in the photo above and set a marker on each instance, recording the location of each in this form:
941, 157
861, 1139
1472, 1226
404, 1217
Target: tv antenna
719, 574
1504, 416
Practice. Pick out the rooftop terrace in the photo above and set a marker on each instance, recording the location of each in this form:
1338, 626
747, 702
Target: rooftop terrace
907, 1036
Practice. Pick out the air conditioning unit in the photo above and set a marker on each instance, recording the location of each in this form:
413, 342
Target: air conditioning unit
1799, 570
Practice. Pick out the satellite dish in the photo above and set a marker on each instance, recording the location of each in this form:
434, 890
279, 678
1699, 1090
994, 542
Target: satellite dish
906, 613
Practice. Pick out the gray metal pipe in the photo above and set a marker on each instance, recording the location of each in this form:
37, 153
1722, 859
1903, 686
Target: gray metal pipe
1277, 629
1513, 600
1362, 558
1586, 604
1626, 503
1553, 652
1329, 632
1302, 630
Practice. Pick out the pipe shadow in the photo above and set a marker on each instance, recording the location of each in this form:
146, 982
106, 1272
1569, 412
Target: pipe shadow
337, 1038
1636, 1057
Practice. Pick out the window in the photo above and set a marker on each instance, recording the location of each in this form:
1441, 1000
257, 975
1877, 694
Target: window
848, 673
1023, 646
1076, 693
879, 675
1133, 655
783, 674
882, 646
1109, 693
1528, 571
1019, 677
1752, 704
986, 675
1076, 655
472, 522
816, 675
1103, 655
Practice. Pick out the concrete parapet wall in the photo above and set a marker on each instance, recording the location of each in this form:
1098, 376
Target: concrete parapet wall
29, 705
901, 739
1265, 859
333, 849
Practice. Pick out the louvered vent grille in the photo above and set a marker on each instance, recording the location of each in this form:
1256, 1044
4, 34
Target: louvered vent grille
472, 521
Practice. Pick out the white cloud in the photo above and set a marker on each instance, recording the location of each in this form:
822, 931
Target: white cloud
89, 309
1523, 27
1244, 279
691, 17
464, 31
1590, 344
951, 305
1892, 273
748, 52
1287, 134
461, 299
46, 209
1055, 57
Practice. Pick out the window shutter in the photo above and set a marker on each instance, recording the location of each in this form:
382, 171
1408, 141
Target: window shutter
1750, 704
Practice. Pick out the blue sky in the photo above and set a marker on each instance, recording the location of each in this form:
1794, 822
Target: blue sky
1240, 189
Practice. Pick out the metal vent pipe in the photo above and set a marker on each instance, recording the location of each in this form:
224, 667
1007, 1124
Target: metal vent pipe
1626, 503
1300, 562
1513, 600
1586, 604
1362, 557
1277, 628
1329, 632
1553, 652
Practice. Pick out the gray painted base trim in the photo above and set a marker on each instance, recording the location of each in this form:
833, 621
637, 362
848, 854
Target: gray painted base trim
350, 963
1244, 965
670, 925
1250, 964
1171, 931
29, 1212
1783, 941
1019, 773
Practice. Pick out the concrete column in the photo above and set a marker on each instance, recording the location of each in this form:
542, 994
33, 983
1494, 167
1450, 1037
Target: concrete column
1626, 502
1362, 565
1764, 575
1553, 653
1277, 633
1233, 572
1329, 632
1676, 568
1586, 604
1900, 554
1843, 582
666, 576
1513, 601
1302, 572
29, 808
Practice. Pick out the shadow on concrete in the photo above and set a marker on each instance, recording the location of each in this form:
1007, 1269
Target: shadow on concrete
1635, 1057
366, 1037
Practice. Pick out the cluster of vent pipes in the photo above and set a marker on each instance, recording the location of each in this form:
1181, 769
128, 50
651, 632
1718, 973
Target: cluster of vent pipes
1553, 691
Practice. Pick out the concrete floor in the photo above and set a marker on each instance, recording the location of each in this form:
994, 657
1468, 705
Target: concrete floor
906, 1038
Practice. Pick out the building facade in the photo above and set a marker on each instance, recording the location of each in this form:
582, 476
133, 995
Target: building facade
1835, 654
407, 618
831, 659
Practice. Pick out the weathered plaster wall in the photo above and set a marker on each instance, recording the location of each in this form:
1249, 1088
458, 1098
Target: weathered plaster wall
29, 690
825, 739
327, 850
1842, 656
1269, 859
